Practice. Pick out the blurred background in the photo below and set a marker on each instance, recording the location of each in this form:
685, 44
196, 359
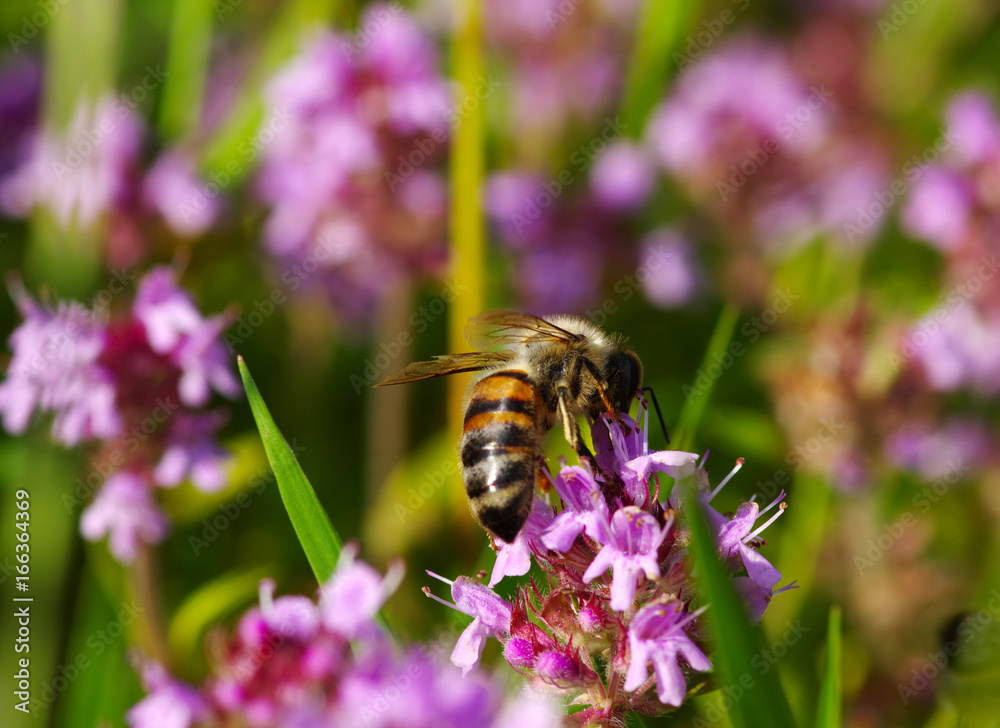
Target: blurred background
790, 210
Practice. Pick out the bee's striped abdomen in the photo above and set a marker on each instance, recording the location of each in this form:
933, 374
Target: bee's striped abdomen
499, 451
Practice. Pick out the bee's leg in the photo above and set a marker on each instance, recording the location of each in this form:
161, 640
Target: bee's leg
602, 389
570, 430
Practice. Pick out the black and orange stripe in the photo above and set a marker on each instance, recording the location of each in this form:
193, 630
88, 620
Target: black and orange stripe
500, 450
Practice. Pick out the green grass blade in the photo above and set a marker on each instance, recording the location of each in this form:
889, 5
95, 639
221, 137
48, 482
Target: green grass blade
187, 67
312, 526
762, 701
828, 712
659, 32
697, 398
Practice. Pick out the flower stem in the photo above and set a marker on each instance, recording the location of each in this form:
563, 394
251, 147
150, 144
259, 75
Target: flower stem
465, 214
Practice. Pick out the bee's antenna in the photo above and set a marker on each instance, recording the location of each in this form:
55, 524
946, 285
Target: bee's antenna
656, 405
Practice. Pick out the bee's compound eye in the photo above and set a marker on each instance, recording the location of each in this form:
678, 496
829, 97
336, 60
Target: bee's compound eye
624, 376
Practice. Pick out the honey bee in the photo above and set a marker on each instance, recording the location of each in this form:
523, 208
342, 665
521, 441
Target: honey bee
547, 370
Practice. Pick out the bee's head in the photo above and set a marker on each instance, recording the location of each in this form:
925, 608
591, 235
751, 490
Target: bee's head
623, 373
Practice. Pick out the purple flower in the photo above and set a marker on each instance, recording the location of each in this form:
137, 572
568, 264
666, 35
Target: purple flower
82, 172
552, 627
170, 703
288, 665
734, 539
174, 327
973, 122
131, 381
56, 368
959, 347
673, 275
296, 617
629, 548
514, 559
125, 512
629, 458
756, 598
355, 594
742, 90
491, 617
192, 452
20, 96
586, 509
621, 177
356, 129
173, 189
939, 207
934, 451
657, 635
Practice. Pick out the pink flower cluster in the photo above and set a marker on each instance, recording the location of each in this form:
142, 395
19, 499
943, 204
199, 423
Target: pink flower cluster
91, 170
955, 206
619, 594
136, 383
350, 160
296, 662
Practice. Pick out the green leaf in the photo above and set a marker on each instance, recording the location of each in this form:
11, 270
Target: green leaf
762, 701
659, 31
828, 712
312, 526
697, 399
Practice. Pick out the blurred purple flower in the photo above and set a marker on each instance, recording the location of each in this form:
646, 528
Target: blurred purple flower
959, 347
131, 381
192, 452
173, 189
656, 635
939, 208
740, 94
973, 122
170, 703
622, 177
20, 101
348, 160
81, 172
293, 662
352, 598
56, 368
91, 170
935, 450
175, 328
125, 512
672, 274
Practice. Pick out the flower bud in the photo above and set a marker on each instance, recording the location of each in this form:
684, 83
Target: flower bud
557, 667
519, 652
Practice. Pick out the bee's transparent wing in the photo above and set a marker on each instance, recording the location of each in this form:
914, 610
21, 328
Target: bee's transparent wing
508, 328
439, 366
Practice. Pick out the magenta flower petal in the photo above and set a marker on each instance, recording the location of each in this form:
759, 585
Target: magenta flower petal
124, 510
56, 368
170, 703
656, 634
629, 550
514, 559
355, 594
